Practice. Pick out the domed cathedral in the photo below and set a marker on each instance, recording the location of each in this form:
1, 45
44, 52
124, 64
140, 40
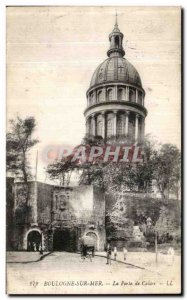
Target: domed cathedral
115, 98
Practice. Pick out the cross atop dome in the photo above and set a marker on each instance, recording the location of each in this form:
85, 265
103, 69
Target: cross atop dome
116, 29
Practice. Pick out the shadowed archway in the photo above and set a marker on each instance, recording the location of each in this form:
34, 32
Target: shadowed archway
34, 240
65, 240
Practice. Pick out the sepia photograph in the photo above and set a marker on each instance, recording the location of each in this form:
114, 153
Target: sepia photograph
93, 150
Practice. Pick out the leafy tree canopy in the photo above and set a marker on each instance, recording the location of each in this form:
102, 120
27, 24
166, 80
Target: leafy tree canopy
19, 142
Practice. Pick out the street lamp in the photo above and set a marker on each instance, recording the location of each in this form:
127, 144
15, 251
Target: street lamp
156, 246
149, 224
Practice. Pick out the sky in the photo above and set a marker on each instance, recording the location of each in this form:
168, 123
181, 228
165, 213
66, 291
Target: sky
52, 53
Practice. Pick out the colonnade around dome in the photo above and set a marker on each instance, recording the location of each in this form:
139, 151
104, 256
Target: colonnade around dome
116, 123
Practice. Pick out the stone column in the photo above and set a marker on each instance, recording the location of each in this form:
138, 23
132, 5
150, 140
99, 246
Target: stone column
93, 125
116, 90
123, 124
136, 96
104, 94
136, 127
127, 123
124, 93
127, 93
87, 126
142, 99
142, 129
115, 122
95, 97
104, 127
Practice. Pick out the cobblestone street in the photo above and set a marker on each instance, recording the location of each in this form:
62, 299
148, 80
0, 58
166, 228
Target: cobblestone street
63, 272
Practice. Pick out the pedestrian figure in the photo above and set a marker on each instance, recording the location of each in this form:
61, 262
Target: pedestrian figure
125, 253
115, 253
87, 247
41, 249
108, 254
93, 251
37, 247
34, 246
81, 247
84, 250
29, 248
171, 255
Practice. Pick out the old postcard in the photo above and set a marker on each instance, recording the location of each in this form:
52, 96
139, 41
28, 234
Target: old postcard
93, 150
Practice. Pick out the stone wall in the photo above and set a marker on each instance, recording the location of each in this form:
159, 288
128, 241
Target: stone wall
9, 214
44, 203
86, 210
53, 212
80, 208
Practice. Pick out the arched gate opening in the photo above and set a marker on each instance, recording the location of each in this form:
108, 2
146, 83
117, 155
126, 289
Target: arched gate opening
34, 240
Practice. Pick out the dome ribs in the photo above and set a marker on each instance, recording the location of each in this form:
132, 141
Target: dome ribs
116, 69
106, 69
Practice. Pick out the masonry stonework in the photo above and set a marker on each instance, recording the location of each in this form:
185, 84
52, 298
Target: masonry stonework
64, 215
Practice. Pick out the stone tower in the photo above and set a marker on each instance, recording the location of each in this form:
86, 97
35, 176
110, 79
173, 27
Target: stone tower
115, 98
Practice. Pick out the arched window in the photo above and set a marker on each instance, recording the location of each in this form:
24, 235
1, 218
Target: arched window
100, 96
109, 94
116, 40
132, 95
92, 99
120, 94
140, 97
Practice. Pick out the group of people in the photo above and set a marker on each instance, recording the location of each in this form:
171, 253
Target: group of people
109, 251
87, 247
35, 247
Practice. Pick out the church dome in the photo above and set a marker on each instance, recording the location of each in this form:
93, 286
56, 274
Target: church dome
116, 69
115, 97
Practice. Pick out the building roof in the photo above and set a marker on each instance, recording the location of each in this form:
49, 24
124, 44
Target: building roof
114, 69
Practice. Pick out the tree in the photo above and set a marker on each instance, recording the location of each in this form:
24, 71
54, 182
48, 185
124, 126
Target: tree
160, 163
167, 169
145, 170
61, 170
117, 176
19, 143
